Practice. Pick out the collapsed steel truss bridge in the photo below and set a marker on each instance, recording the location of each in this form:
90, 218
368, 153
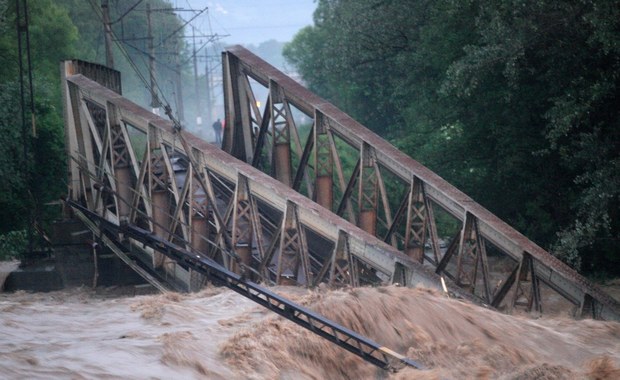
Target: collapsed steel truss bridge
348, 169
300, 193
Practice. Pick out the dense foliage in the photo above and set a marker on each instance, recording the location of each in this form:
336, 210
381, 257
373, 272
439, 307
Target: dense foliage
32, 160
515, 102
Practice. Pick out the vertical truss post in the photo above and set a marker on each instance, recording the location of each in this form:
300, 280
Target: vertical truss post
472, 256
198, 164
417, 220
100, 172
323, 162
527, 288
345, 203
387, 221
238, 131
281, 159
368, 189
242, 229
341, 269
158, 179
259, 239
98, 165
588, 307
85, 158
293, 250
400, 275
121, 162
248, 110
198, 223
70, 104
199, 212
141, 195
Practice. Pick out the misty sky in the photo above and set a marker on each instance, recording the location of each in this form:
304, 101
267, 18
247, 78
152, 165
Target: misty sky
250, 21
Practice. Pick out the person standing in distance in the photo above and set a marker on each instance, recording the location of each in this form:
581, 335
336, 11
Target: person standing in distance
217, 128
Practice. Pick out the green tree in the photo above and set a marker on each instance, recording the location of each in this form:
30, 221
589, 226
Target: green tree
61, 29
513, 102
559, 63
129, 25
30, 180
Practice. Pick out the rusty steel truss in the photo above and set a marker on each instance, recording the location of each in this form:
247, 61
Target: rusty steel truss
308, 144
131, 167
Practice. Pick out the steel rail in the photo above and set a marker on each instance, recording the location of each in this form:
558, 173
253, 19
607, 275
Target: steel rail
351, 341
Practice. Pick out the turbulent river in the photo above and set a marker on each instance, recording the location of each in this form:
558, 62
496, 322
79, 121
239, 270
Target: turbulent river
217, 334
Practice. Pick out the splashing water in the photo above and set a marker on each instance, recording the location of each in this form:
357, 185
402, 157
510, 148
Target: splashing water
217, 334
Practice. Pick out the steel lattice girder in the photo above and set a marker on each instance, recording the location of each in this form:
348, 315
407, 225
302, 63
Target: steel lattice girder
165, 203
248, 139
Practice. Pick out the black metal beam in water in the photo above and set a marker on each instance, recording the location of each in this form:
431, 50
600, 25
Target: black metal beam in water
349, 340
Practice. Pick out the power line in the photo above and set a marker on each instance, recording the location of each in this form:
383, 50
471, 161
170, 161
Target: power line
128, 57
126, 12
154, 87
182, 26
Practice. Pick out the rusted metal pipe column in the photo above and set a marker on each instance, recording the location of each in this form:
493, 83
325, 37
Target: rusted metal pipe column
199, 230
368, 189
282, 159
417, 219
280, 126
199, 218
323, 163
161, 207
158, 189
242, 232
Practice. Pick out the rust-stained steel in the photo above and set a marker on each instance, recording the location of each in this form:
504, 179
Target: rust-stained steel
385, 180
323, 164
189, 192
150, 190
351, 341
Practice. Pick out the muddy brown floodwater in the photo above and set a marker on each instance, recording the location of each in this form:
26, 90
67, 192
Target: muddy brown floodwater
217, 334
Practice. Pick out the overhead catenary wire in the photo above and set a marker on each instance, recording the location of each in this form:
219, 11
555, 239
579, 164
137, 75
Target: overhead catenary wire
126, 12
181, 27
131, 62
155, 88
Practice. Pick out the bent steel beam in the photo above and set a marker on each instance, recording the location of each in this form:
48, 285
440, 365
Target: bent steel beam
421, 193
361, 346
198, 197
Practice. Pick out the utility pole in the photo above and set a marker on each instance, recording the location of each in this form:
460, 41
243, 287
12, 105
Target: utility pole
179, 86
21, 21
109, 58
154, 99
198, 108
209, 102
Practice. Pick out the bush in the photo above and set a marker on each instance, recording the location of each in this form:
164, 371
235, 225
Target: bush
13, 244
